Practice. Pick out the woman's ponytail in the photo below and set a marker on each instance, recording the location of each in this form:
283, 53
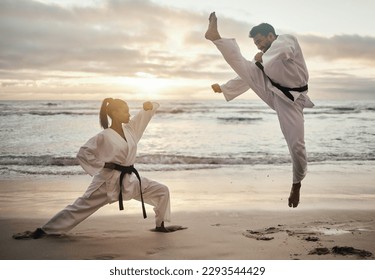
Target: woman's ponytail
103, 115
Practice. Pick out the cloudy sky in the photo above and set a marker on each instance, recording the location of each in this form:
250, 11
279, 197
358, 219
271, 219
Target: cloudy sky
144, 49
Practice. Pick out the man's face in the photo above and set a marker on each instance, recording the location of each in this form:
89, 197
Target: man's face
263, 43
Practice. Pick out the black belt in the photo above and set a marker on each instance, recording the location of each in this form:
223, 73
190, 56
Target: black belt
285, 90
127, 170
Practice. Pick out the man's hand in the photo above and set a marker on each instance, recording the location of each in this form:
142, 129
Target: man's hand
147, 106
258, 57
216, 88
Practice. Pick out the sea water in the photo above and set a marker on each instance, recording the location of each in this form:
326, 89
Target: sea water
43, 137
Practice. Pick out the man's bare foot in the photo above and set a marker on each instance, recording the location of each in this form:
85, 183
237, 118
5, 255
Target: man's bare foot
293, 200
212, 33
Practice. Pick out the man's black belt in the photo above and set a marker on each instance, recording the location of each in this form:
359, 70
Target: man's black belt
127, 170
284, 90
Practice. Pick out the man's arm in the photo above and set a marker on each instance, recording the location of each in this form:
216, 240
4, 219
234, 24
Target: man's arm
232, 88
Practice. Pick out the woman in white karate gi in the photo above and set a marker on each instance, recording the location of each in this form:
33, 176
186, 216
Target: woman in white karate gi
278, 75
115, 145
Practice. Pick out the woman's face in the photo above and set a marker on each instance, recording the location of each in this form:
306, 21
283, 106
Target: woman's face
122, 113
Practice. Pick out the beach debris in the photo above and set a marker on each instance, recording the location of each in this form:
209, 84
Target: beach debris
345, 250
264, 238
312, 238
338, 250
320, 251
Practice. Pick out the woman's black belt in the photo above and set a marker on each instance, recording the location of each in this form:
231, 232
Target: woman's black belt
127, 170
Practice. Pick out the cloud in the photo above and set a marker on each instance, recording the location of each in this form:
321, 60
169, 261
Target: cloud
44, 46
38, 36
119, 38
340, 47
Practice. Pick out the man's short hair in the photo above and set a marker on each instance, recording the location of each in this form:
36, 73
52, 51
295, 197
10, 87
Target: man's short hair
263, 29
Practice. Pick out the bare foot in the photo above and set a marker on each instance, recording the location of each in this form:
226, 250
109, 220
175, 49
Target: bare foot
161, 228
164, 229
293, 200
212, 33
36, 234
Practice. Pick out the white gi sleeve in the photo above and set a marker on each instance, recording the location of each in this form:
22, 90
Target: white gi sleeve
234, 88
140, 121
89, 155
284, 64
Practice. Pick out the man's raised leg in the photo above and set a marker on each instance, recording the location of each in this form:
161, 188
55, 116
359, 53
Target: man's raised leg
212, 33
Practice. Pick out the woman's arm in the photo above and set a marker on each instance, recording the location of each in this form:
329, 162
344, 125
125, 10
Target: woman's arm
140, 121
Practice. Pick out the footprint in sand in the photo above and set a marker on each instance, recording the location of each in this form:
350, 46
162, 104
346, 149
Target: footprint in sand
262, 234
155, 251
105, 257
310, 234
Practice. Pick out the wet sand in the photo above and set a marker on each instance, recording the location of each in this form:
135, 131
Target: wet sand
228, 217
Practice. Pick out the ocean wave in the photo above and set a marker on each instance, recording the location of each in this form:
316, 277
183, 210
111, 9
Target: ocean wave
50, 108
155, 159
173, 111
238, 119
333, 111
49, 165
47, 113
44, 113
168, 159
43, 160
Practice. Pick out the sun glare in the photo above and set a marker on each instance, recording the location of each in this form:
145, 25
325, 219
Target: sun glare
150, 86
146, 86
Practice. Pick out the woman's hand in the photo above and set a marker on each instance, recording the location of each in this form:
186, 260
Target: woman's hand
147, 106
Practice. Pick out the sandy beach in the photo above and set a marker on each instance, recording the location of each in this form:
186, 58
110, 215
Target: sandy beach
231, 213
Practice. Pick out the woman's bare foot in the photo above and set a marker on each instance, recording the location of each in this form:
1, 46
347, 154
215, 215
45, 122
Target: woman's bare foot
36, 234
167, 229
212, 33
293, 200
161, 228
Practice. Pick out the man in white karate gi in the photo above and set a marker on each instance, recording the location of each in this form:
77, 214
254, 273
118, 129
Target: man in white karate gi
278, 75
